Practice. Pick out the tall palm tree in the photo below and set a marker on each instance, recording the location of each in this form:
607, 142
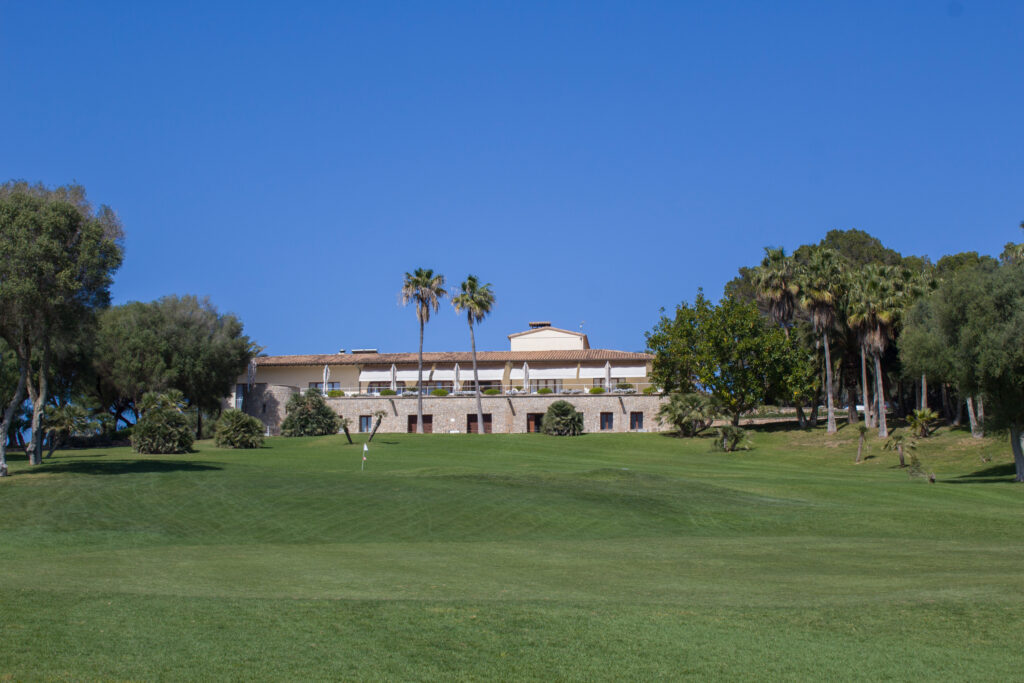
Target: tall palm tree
775, 281
819, 295
876, 311
476, 300
426, 289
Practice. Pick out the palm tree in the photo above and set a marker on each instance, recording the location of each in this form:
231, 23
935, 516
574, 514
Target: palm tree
427, 290
775, 282
477, 301
820, 291
876, 312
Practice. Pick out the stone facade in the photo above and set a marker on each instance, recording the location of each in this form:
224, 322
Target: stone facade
509, 414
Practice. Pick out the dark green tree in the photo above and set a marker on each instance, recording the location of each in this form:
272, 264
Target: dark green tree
235, 429
163, 426
562, 419
57, 259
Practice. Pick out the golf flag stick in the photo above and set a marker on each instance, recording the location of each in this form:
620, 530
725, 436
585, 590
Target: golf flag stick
366, 449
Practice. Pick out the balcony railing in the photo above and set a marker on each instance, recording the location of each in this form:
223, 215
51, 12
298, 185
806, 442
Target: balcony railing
617, 389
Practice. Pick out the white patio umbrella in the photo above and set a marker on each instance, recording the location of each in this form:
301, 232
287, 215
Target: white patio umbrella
526, 377
607, 374
327, 376
458, 382
394, 380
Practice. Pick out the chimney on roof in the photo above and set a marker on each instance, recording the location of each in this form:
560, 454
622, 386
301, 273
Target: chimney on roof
341, 350
364, 350
540, 323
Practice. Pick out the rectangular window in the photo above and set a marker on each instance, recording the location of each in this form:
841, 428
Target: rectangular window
365, 423
607, 421
240, 396
533, 421
636, 421
428, 424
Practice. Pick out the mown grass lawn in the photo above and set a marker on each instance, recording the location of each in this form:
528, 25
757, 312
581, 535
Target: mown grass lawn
497, 557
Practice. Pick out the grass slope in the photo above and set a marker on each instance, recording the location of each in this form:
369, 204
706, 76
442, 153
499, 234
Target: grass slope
498, 557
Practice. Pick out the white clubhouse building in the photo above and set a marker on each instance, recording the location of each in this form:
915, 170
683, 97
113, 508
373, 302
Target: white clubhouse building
543, 364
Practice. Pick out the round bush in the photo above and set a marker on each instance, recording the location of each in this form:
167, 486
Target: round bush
597, 390
388, 392
439, 392
562, 419
163, 426
235, 429
545, 390
309, 415
335, 393
492, 391
623, 385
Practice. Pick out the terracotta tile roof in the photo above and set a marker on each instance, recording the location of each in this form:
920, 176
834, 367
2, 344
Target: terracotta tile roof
575, 356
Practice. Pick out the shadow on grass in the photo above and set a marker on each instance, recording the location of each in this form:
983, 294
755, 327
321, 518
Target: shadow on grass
990, 475
108, 467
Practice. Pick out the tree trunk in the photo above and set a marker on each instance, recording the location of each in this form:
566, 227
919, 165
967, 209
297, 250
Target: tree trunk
476, 378
736, 419
899, 451
376, 426
800, 417
864, 388
947, 409
883, 430
981, 414
12, 407
860, 449
831, 428
419, 385
347, 435
924, 392
1018, 451
38, 396
975, 432
199, 423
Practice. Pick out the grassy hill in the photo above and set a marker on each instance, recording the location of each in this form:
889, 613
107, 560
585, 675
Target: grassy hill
521, 556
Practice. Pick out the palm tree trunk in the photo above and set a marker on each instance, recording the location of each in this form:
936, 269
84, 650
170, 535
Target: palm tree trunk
883, 431
864, 387
860, 449
476, 379
419, 385
924, 392
975, 432
831, 428
899, 450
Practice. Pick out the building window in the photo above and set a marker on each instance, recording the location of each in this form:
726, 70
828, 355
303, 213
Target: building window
365, 423
636, 421
471, 426
554, 384
331, 386
607, 421
240, 397
428, 424
533, 422
375, 388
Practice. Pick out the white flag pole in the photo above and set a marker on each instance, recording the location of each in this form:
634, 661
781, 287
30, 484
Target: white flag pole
366, 449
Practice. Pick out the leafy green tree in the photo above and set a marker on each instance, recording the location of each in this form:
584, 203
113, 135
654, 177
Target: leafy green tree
562, 419
309, 415
175, 342
57, 259
690, 414
235, 429
476, 300
674, 343
900, 443
730, 438
426, 290
921, 421
163, 426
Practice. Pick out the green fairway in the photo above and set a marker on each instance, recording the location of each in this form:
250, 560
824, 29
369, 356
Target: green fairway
630, 556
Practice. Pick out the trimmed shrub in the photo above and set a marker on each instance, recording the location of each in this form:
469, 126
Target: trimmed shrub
545, 390
562, 419
388, 392
597, 390
163, 426
690, 414
650, 390
492, 391
439, 392
624, 385
308, 415
335, 393
235, 429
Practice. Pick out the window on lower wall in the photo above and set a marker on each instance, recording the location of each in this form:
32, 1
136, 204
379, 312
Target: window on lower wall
607, 421
365, 423
636, 421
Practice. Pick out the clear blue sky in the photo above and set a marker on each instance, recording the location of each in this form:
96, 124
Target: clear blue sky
594, 161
